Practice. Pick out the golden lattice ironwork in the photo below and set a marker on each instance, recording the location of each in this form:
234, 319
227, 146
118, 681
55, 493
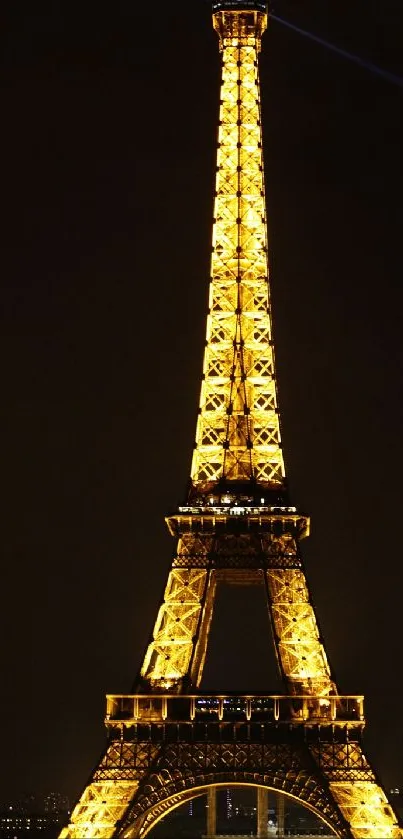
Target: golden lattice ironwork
238, 430
100, 807
261, 555
169, 655
167, 742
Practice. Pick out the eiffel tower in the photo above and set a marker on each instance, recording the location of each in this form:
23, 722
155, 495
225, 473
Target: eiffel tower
169, 742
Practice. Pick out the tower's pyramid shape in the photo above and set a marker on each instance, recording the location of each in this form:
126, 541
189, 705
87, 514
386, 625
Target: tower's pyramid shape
167, 741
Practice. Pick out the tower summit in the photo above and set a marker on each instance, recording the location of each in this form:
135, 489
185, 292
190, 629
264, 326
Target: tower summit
169, 742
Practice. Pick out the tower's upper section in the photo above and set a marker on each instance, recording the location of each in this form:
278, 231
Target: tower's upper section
243, 21
238, 432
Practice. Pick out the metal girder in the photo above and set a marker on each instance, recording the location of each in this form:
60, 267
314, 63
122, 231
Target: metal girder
366, 809
300, 650
180, 634
101, 805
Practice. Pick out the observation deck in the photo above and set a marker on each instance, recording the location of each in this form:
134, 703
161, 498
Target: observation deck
258, 519
274, 710
240, 20
239, 6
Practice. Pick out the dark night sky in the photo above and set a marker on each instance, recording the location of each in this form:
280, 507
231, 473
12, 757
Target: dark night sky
109, 123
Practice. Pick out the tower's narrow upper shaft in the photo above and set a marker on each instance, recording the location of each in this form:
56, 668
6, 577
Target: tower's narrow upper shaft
238, 433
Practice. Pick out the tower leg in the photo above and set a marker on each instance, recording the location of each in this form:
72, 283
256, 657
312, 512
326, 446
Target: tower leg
212, 812
280, 816
262, 811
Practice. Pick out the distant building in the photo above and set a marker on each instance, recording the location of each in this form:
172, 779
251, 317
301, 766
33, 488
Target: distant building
34, 817
229, 804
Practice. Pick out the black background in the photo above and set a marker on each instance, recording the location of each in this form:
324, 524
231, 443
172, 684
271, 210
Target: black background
109, 127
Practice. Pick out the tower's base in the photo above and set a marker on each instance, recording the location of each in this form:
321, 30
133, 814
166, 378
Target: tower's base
166, 750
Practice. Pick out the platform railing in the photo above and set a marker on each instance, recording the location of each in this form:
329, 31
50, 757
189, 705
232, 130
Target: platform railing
296, 710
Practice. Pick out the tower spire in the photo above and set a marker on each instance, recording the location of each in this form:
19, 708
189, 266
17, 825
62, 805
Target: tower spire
238, 429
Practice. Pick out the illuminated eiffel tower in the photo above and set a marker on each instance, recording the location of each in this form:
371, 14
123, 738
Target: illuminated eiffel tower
169, 742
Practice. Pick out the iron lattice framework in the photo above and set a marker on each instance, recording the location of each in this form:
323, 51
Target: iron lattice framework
168, 742
238, 431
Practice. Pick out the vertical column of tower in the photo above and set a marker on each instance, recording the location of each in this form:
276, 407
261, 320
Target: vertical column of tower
187, 603
238, 433
300, 649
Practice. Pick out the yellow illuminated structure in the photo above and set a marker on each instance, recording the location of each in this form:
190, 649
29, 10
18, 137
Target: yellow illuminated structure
238, 432
168, 742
